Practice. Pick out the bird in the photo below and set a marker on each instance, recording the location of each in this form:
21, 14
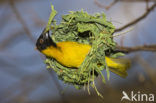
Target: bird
72, 54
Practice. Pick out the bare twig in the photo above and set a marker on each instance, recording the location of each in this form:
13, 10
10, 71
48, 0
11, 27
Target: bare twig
151, 48
37, 20
20, 19
150, 71
116, 1
137, 0
58, 86
9, 39
106, 7
147, 4
138, 19
23, 85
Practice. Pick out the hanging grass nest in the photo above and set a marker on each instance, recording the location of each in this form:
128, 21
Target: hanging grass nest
79, 26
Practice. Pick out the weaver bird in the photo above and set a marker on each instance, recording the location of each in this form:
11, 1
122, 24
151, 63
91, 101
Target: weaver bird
72, 54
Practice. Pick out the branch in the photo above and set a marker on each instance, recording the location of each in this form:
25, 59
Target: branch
149, 70
20, 19
27, 83
137, 0
116, 1
58, 86
138, 19
8, 40
105, 7
151, 48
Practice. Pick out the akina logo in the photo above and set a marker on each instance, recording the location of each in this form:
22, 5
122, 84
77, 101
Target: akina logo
137, 96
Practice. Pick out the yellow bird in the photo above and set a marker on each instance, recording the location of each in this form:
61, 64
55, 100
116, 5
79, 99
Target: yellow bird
72, 54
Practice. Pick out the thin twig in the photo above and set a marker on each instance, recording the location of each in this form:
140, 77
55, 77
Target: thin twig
24, 25
9, 39
37, 20
147, 4
137, 0
151, 48
106, 7
124, 32
58, 86
138, 19
150, 71
20, 19
22, 85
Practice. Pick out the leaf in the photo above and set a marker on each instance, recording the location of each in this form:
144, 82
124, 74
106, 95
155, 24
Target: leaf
51, 17
119, 54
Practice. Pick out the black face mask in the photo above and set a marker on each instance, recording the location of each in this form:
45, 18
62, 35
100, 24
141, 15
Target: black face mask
44, 41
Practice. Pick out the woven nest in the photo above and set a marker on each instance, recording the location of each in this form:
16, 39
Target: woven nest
81, 27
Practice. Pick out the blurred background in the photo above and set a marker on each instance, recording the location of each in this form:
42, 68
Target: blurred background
23, 74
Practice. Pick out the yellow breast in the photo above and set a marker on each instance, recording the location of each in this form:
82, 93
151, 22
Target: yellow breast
70, 54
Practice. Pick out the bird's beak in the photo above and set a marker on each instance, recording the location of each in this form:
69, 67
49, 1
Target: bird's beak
35, 48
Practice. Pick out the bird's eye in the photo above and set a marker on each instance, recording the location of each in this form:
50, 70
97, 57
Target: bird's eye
47, 35
41, 41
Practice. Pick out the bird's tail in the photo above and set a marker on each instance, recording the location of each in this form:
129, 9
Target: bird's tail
118, 66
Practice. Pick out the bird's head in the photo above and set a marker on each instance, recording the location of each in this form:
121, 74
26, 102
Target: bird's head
44, 41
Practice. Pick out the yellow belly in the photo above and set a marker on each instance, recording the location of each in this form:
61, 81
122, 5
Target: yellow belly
72, 53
